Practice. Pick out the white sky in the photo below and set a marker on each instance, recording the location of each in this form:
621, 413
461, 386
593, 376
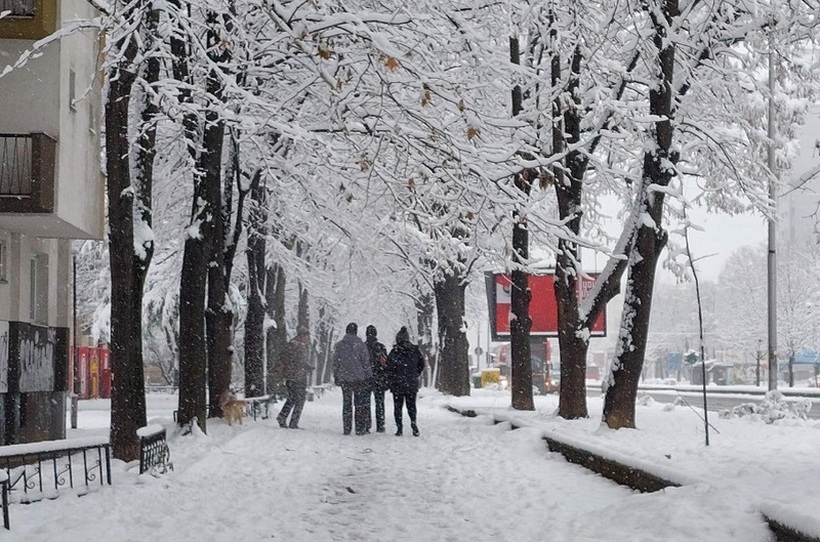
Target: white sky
463, 479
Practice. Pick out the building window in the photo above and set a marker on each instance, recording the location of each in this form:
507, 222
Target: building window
38, 289
4, 262
18, 8
92, 120
72, 90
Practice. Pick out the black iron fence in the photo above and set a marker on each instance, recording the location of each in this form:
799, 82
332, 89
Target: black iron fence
42, 469
155, 455
15, 158
4, 491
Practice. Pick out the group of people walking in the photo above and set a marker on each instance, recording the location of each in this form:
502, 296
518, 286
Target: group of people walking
360, 368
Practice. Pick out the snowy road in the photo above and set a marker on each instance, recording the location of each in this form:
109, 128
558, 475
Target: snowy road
461, 480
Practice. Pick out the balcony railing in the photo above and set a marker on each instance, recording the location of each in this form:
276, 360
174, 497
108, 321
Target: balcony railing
18, 8
27, 165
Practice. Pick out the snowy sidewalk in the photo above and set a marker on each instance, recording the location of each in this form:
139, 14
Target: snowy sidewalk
462, 480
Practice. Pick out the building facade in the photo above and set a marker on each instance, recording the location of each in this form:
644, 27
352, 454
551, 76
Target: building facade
51, 191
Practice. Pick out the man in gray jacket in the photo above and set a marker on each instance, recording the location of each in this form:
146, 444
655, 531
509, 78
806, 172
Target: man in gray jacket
352, 371
296, 370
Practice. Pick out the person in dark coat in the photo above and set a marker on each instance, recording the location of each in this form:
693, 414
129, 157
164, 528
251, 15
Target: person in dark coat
352, 371
404, 366
378, 362
296, 368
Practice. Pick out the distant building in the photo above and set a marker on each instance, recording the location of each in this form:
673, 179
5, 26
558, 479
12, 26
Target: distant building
51, 191
800, 204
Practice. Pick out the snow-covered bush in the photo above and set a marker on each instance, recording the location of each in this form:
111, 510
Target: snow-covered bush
772, 408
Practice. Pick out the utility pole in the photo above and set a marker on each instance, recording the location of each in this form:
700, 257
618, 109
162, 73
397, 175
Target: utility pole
772, 254
757, 366
75, 369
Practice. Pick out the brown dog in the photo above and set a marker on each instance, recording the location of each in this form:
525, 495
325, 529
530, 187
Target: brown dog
232, 409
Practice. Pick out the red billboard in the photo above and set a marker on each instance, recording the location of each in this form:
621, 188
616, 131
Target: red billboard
543, 305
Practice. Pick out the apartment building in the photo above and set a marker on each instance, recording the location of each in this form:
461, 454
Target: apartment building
51, 191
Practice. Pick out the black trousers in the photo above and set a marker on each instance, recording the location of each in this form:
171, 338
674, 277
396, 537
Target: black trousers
356, 395
296, 401
398, 402
378, 399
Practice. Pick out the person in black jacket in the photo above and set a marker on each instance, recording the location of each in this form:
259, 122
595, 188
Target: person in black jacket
404, 366
378, 361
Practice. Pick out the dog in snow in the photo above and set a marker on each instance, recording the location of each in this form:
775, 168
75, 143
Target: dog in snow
233, 409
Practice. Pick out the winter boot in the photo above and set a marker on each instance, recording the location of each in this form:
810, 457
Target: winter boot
415, 429
398, 431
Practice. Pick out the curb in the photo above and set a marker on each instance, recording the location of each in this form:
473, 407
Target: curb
634, 477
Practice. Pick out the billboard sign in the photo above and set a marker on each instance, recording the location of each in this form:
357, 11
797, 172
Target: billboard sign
543, 305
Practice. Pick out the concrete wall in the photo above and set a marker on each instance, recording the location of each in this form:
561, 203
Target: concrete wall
54, 301
38, 98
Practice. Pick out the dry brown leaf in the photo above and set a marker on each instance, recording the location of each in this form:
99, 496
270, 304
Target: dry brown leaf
364, 164
426, 97
392, 63
325, 53
460, 106
472, 133
411, 184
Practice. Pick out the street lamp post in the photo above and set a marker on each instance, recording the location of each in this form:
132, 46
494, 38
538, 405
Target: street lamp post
772, 245
757, 365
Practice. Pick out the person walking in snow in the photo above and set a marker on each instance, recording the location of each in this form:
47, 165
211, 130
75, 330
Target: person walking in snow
296, 367
353, 373
378, 362
404, 366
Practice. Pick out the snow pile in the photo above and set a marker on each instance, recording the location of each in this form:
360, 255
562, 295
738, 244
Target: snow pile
771, 409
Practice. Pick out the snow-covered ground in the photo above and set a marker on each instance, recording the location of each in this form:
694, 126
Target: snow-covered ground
463, 479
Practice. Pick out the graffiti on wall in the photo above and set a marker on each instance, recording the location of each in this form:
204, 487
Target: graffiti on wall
4, 357
37, 347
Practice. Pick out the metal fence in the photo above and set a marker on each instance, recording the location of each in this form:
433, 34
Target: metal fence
154, 452
15, 158
45, 469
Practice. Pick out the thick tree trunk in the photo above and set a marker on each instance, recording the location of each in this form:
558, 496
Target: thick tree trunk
127, 394
254, 330
303, 308
619, 402
276, 336
192, 348
324, 328
192, 345
255, 318
658, 169
424, 322
454, 368
573, 338
520, 323
219, 315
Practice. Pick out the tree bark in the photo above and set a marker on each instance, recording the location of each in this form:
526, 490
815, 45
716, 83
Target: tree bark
454, 366
521, 323
276, 336
255, 318
424, 321
219, 315
126, 414
192, 348
192, 345
650, 238
573, 338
